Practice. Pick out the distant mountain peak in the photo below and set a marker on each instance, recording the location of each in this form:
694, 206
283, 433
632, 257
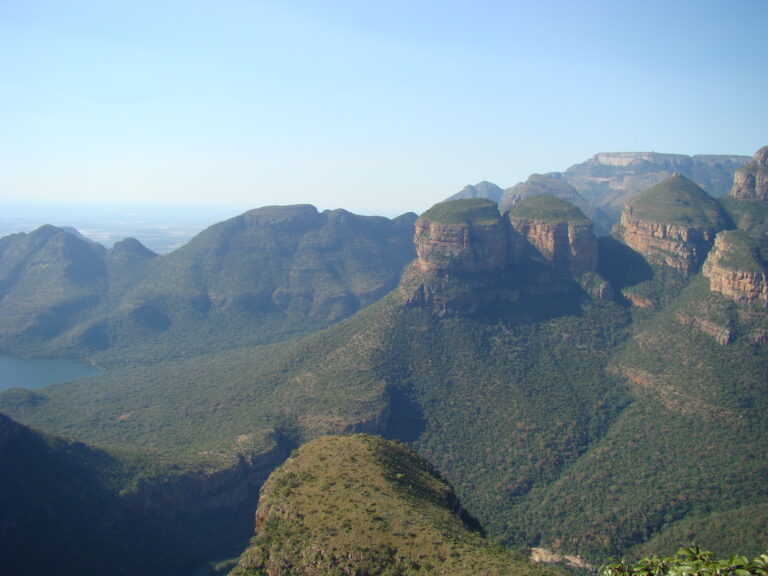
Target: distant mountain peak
482, 189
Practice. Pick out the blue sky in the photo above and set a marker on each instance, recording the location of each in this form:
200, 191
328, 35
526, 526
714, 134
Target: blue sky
377, 107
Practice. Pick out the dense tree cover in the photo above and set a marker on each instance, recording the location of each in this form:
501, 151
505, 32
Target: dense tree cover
362, 505
584, 425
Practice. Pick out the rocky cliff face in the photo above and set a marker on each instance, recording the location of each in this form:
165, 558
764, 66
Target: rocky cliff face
673, 224
678, 247
471, 259
565, 246
556, 233
751, 181
460, 247
735, 268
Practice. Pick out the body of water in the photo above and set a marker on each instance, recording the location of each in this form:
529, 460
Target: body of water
33, 373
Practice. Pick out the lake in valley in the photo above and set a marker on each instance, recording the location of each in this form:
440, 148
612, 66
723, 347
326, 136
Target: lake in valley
33, 373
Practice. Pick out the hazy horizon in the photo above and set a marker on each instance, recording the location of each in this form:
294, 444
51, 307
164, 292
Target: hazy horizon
376, 108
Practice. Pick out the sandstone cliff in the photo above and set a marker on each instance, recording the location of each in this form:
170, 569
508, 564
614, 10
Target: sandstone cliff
471, 237
751, 181
462, 249
471, 259
735, 268
556, 233
673, 224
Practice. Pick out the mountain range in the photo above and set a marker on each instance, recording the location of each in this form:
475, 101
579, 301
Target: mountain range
592, 395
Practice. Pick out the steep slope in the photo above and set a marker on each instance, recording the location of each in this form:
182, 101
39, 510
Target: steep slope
259, 277
686, 454
71, 509
673, 223
363, 505
49, 280
558, 231
736, 268
476, 392
609, 179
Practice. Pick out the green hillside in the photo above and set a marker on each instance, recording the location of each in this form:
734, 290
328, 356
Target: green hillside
601, 426
547, 208
679, 202
466, 210
363, 505
260, 277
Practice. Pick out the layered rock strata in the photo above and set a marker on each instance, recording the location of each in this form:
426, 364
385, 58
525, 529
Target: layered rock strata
559, 233
735, 269
471, 259
673, 224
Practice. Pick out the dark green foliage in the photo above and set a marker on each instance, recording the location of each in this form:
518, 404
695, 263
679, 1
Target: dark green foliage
577, 424
621, 265
690, 561
464, 211
548, 208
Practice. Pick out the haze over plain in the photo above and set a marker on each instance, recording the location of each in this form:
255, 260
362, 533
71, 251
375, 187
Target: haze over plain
378, 108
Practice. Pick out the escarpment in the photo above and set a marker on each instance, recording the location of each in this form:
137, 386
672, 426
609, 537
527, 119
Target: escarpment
735, 268
464, 236
558, 233
673, 224
750, 182
472, 259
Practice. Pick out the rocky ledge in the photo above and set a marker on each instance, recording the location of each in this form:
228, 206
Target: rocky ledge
736, 269
555, 233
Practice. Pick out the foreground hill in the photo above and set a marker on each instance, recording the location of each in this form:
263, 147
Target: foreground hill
363, 505
259, 277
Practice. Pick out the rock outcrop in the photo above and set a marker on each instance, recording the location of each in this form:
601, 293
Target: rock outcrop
673, 224
559, 233
461, 236
471, 259
751, 181
736, 269
462, 249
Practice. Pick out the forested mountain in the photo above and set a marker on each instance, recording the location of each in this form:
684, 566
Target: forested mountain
593, 396
260, 277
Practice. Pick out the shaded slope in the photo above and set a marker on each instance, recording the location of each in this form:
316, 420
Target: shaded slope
67, 508
363, 505
686, 454
260, 277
